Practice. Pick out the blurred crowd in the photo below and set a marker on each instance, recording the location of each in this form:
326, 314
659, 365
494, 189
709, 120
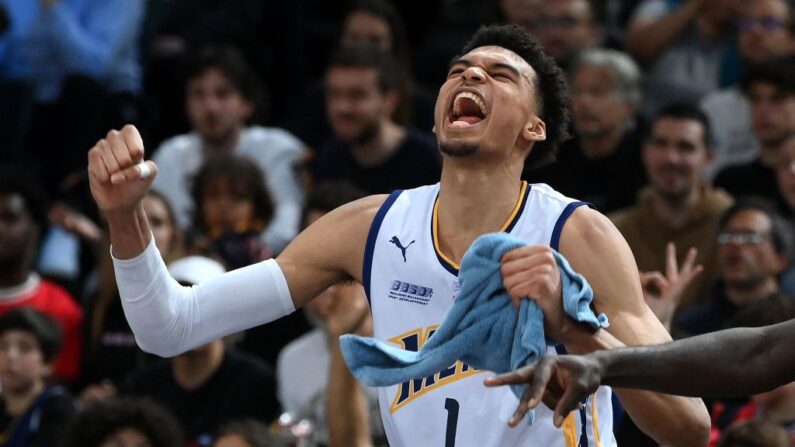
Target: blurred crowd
264, 115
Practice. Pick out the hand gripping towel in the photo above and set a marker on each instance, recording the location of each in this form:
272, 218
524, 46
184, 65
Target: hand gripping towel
482, 328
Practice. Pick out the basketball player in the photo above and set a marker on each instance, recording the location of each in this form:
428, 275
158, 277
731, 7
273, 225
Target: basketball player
503, 100
735, 362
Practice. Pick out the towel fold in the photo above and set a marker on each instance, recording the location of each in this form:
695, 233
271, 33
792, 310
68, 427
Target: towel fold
482, 327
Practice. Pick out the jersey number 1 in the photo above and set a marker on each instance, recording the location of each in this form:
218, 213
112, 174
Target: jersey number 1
451, 405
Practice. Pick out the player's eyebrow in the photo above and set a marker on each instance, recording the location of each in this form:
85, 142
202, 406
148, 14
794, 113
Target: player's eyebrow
494, 65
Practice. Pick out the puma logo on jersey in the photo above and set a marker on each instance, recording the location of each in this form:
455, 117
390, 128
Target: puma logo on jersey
403, 249
408, 391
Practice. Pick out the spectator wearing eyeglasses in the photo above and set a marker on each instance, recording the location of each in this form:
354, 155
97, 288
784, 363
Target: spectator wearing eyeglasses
766, 30
754, 247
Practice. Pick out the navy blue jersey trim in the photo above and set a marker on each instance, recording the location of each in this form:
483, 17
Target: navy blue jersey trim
372, 235
564, 216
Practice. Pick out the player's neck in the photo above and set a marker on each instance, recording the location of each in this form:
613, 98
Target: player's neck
472, 202
381, 146
193, 370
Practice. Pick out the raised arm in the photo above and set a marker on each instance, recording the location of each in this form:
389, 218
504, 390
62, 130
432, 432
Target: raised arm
647, 37
168, 319
597, 250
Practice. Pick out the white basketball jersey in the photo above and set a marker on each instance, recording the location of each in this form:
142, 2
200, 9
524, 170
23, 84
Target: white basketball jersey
411, 285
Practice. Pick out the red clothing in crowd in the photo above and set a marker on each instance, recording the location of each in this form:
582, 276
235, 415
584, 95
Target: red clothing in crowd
50, 299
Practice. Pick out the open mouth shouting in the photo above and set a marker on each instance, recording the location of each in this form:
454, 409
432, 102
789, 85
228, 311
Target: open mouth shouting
468, 109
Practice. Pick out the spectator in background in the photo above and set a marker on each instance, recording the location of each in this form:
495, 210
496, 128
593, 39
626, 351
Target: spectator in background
754, 246
248, 433
309, 367
777, 405
32, 414
23, 221
602, 164
785, 178
210, 385
110, 348
124, 422
677, 206
67, 70
221, 97
368, 148
770, 89
755, 433
565, 29
686, 47
232, 207
766, 31
379, 24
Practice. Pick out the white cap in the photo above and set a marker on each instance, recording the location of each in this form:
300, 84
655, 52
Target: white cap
195, 269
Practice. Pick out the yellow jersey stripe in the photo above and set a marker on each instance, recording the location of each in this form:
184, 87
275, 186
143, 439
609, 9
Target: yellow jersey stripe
508, 222
570, 430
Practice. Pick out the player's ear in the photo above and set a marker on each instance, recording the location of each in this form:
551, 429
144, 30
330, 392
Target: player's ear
535, 130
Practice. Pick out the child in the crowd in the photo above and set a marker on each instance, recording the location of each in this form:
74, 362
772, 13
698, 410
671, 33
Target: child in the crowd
32, 414
232, 208
124, 422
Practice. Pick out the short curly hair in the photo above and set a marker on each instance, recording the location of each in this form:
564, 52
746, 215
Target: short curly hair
552, 92
100, 420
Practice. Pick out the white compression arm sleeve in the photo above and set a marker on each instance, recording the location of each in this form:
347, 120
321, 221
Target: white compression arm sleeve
168, 318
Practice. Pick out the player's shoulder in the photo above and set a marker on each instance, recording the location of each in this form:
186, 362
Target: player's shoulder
360, 211
549, 193
587, 225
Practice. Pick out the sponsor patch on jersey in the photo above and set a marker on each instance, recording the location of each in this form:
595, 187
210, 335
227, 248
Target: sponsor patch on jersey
410, 293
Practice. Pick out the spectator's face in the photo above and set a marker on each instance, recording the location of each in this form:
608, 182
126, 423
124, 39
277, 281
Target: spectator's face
764, 30
520, 12
487, 105
226, 204
364, 28
231, 440
776, 400
163, 227
127, 437
216, 108
721, 13
565, 28
21, 361
675, 155
597, 107
18, 233
355, 104
748, 256
772, 112
785, 172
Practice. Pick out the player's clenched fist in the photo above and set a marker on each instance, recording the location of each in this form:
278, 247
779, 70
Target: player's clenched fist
532, 272
118, 175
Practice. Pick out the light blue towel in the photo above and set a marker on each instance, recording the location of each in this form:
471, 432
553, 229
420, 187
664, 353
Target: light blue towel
482, 327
